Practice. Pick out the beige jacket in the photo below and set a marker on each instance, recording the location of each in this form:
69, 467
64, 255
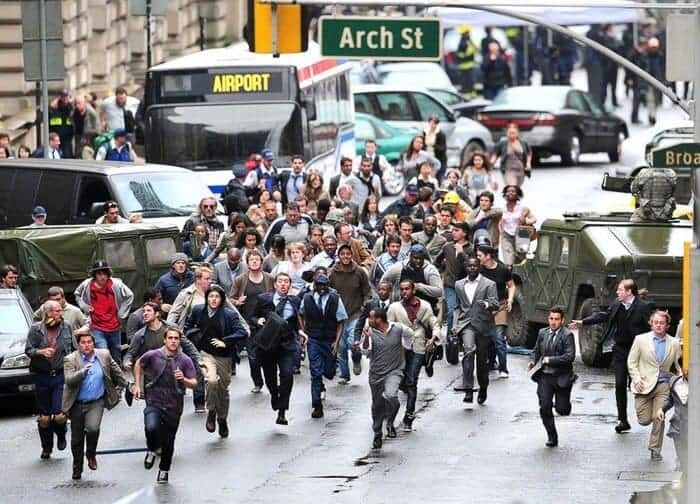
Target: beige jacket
74, 372
642, 364
426, 325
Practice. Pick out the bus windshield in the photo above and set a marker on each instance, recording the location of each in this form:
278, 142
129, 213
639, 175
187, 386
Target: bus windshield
216, 135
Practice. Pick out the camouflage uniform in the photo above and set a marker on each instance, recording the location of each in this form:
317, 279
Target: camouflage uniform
653, 188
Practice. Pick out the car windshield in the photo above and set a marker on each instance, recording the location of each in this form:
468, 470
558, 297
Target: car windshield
12, 319
446, 97
159, 194
423, 77
216, 135
531, 98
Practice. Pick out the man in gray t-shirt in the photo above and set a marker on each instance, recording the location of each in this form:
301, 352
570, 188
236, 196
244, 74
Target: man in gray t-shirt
112, 110
384, 344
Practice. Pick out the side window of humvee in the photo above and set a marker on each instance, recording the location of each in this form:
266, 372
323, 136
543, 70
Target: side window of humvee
120, 254
160, 250
564, 254
543, 248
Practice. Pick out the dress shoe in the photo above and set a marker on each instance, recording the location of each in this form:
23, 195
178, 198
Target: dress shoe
552, 442
223, 428
45, 454
211, 421
92, 462
273, 402
128, 396
162, 477
199, 408
149, 460
408, 423
377, 443
357, 367
390, 431
481, 397
281, 419
297, 370
468, 398
656, 455
622, 427
317, 412
77, 473
429, 370
61, 441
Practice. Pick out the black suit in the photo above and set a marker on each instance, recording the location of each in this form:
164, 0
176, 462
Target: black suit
284, 357
622, 327
555, 378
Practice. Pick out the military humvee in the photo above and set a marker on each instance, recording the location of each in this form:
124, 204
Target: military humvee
578, 263
62, 255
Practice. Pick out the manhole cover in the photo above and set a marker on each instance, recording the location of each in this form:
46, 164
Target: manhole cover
661, 477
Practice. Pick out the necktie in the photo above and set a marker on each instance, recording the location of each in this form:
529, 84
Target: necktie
320, 303
551, 341
279, 309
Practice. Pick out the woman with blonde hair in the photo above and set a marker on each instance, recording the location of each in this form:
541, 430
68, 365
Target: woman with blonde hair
294, 266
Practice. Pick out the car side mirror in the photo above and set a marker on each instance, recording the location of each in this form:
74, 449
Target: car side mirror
97, 209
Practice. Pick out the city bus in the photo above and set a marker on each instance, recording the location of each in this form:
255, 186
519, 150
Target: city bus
210, 110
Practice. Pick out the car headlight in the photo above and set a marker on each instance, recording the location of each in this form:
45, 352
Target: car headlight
17, 361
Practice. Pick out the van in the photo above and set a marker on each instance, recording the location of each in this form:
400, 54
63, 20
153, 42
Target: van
75, 191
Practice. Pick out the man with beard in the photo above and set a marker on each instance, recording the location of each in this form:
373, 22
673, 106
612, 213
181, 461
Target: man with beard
206, 215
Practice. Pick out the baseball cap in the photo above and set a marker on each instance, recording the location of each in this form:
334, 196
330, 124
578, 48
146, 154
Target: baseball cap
39, 210
267, 155
418, 249
64, 92
119, 132
322, 279
412, 189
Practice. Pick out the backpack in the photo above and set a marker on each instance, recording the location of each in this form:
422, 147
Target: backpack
100, 140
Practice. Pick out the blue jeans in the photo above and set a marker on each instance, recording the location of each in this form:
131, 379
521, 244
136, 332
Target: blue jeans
111, 340
499, 340
49, 391
321, 364
346, 343
161, 427
451, 301
414, 362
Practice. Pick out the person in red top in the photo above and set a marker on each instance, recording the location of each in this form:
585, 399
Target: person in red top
106, 300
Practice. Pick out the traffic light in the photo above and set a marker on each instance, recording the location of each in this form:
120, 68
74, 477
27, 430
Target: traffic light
292, 28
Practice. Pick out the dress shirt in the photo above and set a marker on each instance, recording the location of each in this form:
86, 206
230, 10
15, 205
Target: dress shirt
321, 301
93, 384
294, 184
288, 311
470, 287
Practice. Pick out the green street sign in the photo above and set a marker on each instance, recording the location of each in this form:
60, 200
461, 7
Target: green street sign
685, 155
355, 37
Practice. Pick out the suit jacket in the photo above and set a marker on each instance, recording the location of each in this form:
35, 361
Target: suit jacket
74, 372
222, 274
472, 313
266, 305
642, 363
636, 322
561, 353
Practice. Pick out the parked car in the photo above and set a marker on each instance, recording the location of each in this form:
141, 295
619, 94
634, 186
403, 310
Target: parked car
408, 107
556, 120
62, 255
15, 319
419, 73
391, 141
74, 191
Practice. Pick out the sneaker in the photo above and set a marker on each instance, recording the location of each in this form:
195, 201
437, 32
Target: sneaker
77, 473
162, 478
45, 454
408, 423
391, 431
481, 397
344, 381
622, 427
61, 441
281, 419
317, 412
297, 370
256, 390
149, 460
357, 367
377, 443
503, 375
200, 408
656, 455
323, 394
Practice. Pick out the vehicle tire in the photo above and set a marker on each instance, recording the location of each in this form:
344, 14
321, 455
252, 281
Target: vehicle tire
590, 338
394, 184
515, 334
573, 152
471, 147
614, 155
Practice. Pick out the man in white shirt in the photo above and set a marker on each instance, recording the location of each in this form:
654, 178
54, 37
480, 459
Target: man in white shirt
378, 161
113, 108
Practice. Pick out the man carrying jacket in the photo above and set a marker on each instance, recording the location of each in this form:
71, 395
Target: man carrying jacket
48, 342
626, 317
107, 301
91, 381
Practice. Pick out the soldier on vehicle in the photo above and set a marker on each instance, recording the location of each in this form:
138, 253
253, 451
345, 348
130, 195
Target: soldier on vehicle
653, 189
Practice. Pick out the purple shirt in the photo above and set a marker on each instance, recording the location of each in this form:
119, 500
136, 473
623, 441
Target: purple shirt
162, 389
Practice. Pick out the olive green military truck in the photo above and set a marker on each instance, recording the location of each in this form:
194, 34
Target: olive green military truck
578, 263
62, 255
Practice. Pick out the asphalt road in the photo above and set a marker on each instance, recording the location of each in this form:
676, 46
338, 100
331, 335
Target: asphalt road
493, 454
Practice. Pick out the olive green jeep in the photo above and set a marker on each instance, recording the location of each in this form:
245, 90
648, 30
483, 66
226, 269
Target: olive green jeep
578, 263
62, 255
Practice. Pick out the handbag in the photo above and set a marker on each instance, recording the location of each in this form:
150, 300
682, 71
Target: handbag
269, 335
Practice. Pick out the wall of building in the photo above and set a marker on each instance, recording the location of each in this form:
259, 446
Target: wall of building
105, 47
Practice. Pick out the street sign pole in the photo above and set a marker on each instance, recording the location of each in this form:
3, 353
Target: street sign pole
44, 80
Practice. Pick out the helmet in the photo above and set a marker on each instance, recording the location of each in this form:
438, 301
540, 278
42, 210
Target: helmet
465, 28
451, 198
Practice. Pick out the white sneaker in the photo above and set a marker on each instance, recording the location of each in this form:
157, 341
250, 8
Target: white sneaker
343, 381
503, 375
256, 390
